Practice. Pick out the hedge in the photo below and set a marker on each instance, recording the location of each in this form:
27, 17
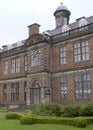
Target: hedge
78, 122
12, 115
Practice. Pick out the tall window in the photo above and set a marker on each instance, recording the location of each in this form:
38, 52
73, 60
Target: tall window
63, 87
35, 93
82, 86
25, 87
62, 55
5, 92
5, 67
81, 51
16, 65
15, 91
35, 57
25, 60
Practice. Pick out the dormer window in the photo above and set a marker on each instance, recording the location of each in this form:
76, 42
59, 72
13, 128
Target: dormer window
82, 24
65, 30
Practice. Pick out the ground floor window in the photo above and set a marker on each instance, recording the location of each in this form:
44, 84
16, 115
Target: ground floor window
82, 86
15, 91
25, 90
5, 92
63, 87
35, 93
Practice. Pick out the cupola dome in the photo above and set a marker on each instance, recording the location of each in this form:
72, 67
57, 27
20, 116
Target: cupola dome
62, 14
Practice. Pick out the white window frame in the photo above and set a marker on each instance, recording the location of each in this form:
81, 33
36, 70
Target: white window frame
5, 67
81, 51
62, 51
35, 57
15, 65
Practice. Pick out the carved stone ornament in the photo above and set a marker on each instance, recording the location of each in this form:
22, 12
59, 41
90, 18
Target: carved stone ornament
35, 39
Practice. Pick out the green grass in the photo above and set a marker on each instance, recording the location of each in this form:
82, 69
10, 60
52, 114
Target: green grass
15, 125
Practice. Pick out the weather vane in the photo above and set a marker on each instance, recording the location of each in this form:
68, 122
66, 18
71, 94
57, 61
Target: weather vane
61, 3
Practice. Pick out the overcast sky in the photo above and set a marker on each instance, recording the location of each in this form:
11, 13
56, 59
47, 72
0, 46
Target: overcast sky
16, 15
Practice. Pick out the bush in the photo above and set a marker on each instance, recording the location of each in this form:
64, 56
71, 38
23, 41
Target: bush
80, 122
87, 110
12, 115
54, 109
71, 111
26, 119
28, 112
49, 109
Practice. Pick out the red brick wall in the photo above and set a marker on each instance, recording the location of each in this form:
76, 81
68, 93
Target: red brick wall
70, 64
10, 74
70, 87
8, 91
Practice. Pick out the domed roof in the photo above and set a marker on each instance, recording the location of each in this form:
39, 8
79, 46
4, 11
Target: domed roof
61, 7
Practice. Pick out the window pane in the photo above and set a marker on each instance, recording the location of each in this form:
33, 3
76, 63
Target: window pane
15, 65
5, 67
63, 87
35, 57
15, 91
82, 86
81, 51
79, 58
62, 55
87, 56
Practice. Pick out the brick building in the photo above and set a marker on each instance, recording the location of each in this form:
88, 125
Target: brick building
53, 66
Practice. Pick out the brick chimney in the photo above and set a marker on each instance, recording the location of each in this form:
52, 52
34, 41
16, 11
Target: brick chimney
33, 29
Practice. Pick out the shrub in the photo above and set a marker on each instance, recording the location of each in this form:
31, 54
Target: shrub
12, 115
71, 111
28, 112
87, 110
80, 122
26, 119
49, 109
89, 120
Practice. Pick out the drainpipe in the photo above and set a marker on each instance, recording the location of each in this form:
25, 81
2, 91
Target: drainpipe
51, 62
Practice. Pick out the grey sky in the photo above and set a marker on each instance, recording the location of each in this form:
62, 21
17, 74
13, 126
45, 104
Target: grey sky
16, 15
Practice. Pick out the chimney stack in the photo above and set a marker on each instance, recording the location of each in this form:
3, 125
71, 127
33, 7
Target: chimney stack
33, 29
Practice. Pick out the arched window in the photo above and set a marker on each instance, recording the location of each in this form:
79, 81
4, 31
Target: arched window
35, 93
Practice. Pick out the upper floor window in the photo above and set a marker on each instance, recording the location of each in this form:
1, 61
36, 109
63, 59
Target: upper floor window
15, 91
16, 65
81, 51
64, 87
62, 55
5, 67
25, 60
35, 56
82, 86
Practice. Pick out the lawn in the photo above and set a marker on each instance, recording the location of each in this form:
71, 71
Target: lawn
15, 125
